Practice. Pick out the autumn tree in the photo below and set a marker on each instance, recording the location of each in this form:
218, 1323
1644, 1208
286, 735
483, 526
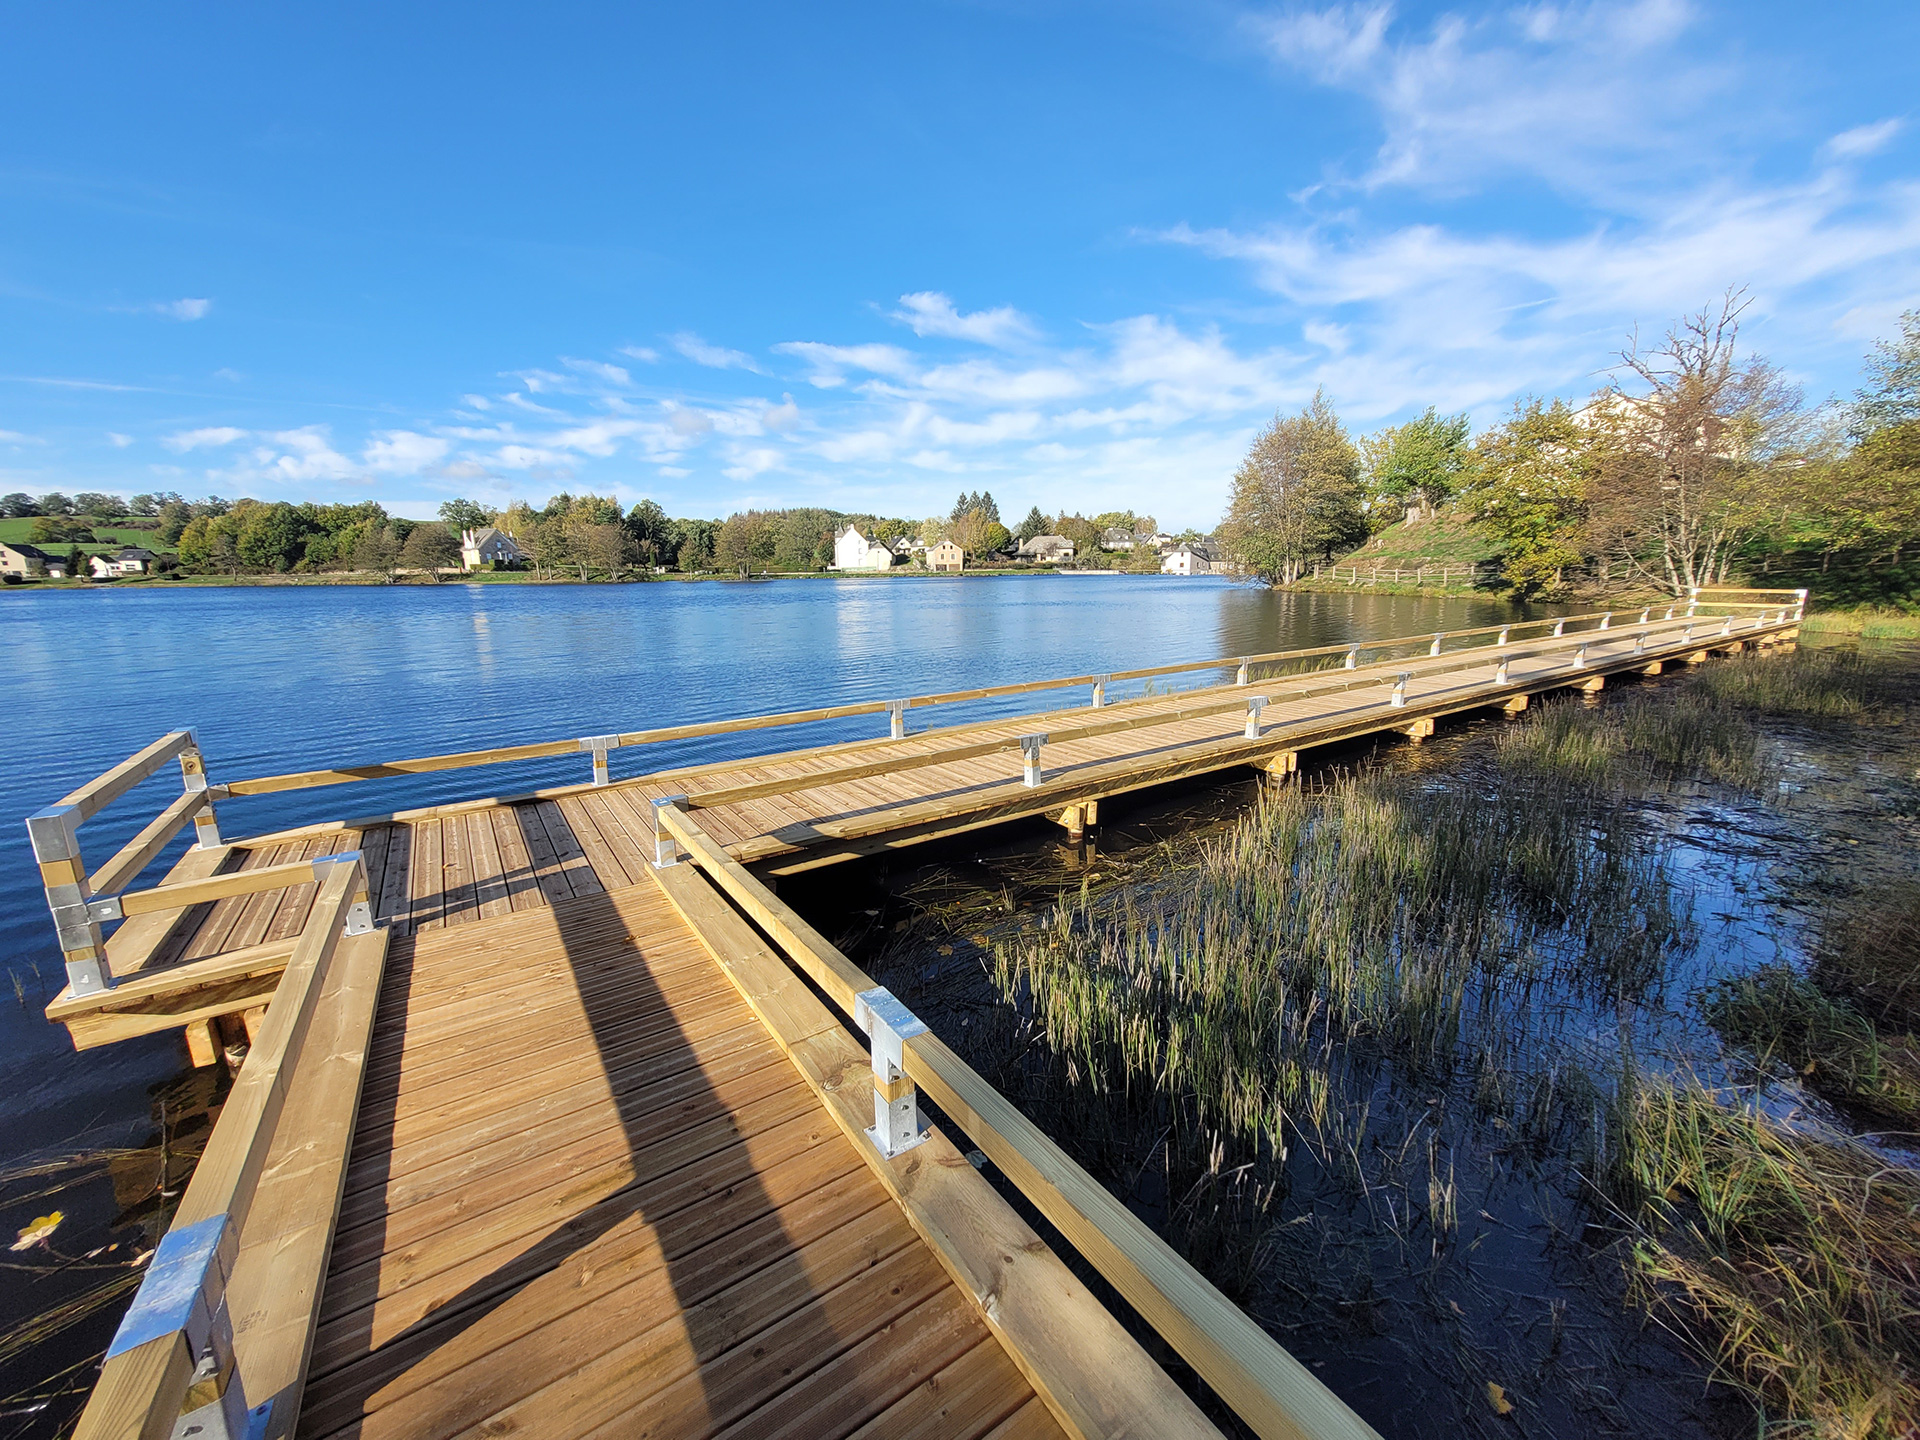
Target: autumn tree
1034, 524
1297, 495
459, 515
1689, 452
430, 546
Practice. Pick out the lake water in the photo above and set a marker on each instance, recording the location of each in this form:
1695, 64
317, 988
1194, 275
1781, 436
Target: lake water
291, 678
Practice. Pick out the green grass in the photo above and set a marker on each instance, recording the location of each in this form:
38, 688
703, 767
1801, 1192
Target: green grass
1783, 1017
1868, 623
1448, 538
1824, 683
1801, 1255
16, 532
1642, 738
1869, 953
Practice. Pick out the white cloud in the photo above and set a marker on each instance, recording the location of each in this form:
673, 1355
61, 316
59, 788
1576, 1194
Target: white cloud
1864, 139
119, 441
404, 452
184, 309
306, 454
831, 362
14, 437
931, 313
715, 357
612, 374
211, 437
1584, 97
643, 353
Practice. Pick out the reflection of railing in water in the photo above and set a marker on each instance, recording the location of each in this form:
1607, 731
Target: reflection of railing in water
1444, 574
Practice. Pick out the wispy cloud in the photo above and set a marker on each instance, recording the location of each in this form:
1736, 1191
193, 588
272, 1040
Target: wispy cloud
931, 313
1864, 139
716, 357
184, 309
119, 441
211, 437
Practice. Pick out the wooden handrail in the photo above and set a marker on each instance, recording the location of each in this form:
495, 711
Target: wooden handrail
152, 839
345, 774
220, 887
1291, 688
166, 1344
101, 791
1271, 1391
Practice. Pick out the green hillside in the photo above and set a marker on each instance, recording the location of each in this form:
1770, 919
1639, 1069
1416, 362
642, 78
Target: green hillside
107, 537
1446, 539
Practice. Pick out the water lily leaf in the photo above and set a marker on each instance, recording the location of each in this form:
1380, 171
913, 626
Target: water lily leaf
39, 1230
1497, 1398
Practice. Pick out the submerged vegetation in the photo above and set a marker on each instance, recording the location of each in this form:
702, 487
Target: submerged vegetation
1385, 981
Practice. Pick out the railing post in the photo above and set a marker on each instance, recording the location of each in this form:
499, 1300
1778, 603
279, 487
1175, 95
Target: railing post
359, 917
1693, 600
1353, 657
1434, 648
1559, 628
600, 745
1500, 672
183, 1298
666, 848
1640, 643
193, 778
1255, 704
1645, 613
897, 719
1399, 696
1244, 674
1670, 610
1606, 620
55, 833
1727, 629
1030, 749
1800, 605
897, 1126
1100, 683
1580, 656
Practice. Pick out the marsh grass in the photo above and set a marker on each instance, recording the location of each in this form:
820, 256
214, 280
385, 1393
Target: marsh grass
1825, 683
1802, 1252
1869, 952
1783, 1017
1641, 739
1868, 624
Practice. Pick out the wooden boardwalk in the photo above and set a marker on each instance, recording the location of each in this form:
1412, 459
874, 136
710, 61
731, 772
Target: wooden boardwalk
556, 1121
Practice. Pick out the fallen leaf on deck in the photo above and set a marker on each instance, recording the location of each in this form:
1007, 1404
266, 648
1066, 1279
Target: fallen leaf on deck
1497, 1398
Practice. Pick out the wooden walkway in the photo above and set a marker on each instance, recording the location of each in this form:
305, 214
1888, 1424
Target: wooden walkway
556, 1121
604, 1202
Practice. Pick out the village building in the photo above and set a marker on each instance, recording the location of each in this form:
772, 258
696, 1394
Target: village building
1116, 538
852, 550
1193, 560
127, 560
946, 556
1047, 549
23, 560
489, 546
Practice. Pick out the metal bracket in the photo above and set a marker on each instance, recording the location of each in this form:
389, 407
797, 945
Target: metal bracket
360, 912
666, 848
897, 718
1353, 657
1100, 683
897, 1125
1434, 649
1255, 704
1500, 673
1399, 695
1580, 656
1640, 643
1030, 750
1244, 675
1505, 631
1606, 620
600, 745
55, 833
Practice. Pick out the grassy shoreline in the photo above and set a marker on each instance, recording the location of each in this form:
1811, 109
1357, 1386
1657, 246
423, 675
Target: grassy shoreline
525, 577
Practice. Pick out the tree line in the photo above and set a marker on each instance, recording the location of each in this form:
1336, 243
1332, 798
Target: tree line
1695, 463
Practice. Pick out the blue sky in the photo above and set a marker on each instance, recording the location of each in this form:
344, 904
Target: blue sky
868, 256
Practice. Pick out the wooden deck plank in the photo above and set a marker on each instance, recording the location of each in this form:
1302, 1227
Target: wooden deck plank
456, 866
396, 905
523, 886
567, 854
427, 878
548, 867
489, 867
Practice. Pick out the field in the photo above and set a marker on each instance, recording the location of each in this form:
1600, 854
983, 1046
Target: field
109, 537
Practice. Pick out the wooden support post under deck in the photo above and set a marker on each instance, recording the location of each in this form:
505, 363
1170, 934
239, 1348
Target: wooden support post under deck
1653, 669
1074, 819
1283, 766
1419, 730
1514, 706
201, 1047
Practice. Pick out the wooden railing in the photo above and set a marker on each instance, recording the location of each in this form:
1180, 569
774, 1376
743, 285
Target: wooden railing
1267, 1388
73, 895
598, 746
171, 1366
1448, 573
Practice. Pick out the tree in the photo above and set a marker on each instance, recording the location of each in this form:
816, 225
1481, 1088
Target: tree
744, 538
272, 537
459, 515
1525, 484
143, 505
612, 548
651, 531
1893, 395
1417, 464
376, 552
932, 531
429, 546
1688, 470
54, 503
974, 533
1295, 496
99, 506
1034, 524
19, 506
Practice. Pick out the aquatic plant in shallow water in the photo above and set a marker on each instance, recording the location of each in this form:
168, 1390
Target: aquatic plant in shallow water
1802, 1251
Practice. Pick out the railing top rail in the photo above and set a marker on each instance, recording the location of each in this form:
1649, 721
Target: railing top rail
339, 775
101, 791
